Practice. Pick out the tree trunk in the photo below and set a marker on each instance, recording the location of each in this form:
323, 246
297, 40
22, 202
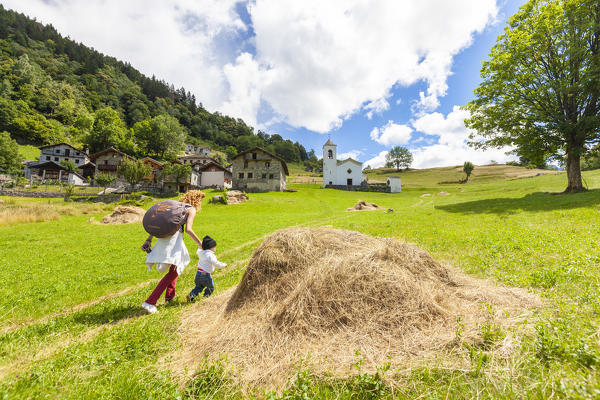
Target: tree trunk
574, 172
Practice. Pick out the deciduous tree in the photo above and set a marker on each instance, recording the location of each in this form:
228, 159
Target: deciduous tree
399, 157
10, 159
134, 171
541, 85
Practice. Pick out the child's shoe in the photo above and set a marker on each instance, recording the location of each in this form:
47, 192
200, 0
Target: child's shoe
189, 298
150, 309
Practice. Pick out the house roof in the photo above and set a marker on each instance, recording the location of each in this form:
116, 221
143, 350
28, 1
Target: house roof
329, 143
79, 175
48, 164
351, 160
59, 144
213, 164
109, 150
89, 163
153, 161
285, 168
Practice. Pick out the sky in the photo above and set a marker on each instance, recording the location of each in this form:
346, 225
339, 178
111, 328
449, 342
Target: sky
369, 74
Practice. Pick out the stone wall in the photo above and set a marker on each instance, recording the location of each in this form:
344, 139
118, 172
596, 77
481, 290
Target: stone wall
24, 193
372, 187
258, 168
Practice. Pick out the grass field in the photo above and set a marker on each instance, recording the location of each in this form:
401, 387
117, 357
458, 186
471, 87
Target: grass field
71, 291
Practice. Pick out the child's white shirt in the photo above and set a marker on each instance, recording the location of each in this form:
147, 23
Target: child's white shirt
168, 251
207, 261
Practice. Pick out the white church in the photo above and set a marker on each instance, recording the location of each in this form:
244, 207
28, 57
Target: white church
340, 173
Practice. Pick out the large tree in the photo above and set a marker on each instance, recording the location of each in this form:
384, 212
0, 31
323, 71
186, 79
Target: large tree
399, 157
108, 130
161, 137
541, 86
134, 171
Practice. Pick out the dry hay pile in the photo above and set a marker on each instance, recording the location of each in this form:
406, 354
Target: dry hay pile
319, 295
124, 215
236, 197
364, 206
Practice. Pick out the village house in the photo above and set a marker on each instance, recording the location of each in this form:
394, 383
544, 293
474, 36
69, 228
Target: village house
257, 170
196, 160
151, 181
215, 175
51, 156
340, 173
52, 171
198, 150
108, 160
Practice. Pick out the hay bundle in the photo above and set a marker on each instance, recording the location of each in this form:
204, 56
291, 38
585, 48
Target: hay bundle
124, 215
236, 197
329, 293
364, 206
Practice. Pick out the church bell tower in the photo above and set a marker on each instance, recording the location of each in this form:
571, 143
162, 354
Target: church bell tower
329, 163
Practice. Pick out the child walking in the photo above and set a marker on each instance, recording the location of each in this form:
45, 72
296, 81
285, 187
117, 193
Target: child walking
169, 254
207, 262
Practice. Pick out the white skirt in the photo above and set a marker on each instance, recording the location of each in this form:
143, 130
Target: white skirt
169, 251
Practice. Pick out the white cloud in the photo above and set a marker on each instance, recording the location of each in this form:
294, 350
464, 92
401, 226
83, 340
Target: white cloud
391, 134
376, 107
324, 60
350, 154
244, 91
451, 148
378, 161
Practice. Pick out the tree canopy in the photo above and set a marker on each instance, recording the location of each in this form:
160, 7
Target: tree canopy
541, 86
399, 157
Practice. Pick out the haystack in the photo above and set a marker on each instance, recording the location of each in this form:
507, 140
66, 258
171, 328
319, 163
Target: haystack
124, 215
364, 206
319, 295
236, 197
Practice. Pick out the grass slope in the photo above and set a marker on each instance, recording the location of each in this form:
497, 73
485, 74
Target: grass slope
71, 291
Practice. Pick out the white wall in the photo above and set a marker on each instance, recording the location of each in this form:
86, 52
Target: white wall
213, 178
395, 184
342, 174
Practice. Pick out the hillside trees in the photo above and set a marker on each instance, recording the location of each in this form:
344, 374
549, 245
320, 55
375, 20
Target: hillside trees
53, 89
108, 130
540, 89
10, 159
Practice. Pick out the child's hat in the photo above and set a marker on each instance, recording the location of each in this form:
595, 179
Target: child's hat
208, 242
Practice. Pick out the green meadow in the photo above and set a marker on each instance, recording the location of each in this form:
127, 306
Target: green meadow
71, 290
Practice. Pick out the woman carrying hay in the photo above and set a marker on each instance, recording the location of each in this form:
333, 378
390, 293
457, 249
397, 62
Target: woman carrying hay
166, 220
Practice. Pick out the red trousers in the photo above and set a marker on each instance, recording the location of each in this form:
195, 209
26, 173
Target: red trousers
168, 282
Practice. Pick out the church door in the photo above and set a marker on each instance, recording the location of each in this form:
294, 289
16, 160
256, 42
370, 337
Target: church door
349, 181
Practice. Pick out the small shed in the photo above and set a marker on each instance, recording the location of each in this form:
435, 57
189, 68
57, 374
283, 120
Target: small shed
394, 184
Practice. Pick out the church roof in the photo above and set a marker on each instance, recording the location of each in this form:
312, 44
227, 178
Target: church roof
349, 159
328, 143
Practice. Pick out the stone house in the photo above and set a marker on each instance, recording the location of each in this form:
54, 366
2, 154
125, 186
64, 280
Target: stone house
257, 170
196, 160
199, 150
108, 160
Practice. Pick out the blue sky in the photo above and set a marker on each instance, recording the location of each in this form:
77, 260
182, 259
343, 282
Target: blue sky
369, 74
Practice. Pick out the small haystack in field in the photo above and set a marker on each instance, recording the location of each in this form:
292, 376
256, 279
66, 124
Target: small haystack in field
236, 197
124, 215
364, 206
320, 295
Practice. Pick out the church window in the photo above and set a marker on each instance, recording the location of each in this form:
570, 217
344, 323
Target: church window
349, 171
330, 154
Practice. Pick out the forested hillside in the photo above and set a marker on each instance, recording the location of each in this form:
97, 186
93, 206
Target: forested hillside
53, 89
